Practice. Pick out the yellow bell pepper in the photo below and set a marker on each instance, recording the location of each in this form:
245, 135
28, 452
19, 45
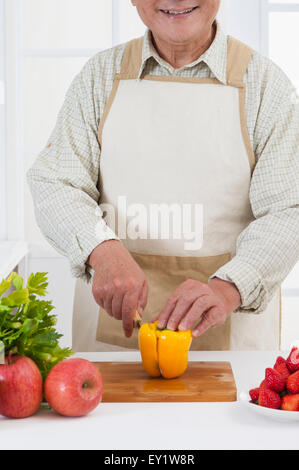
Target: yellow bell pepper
164, 352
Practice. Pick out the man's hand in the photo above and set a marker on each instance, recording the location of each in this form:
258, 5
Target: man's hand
119, 285
193, 302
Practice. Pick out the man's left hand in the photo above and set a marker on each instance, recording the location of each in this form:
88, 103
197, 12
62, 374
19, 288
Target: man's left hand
199, 306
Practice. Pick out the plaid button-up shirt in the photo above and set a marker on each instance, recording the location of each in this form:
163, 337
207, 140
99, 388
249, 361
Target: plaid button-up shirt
64, 179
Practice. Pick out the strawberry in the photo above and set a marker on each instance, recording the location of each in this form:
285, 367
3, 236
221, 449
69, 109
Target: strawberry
280, 360
290, 402
283, 370
263, 385
254, 394
293, 360
274, 380
269, 399
293, 382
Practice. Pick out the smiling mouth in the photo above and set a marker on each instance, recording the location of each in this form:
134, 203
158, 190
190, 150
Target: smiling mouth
178, 13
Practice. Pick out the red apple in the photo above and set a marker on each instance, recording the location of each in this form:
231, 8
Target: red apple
74, 387
21, 387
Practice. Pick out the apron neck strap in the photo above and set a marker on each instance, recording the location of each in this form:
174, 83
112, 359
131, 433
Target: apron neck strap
132, 58
238, 57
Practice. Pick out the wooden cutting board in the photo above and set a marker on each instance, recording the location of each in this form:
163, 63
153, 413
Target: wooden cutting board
127, 382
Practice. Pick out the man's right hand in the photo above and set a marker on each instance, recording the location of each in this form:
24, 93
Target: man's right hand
119, 285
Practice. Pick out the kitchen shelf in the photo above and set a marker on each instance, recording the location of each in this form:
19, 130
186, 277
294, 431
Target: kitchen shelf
11, 254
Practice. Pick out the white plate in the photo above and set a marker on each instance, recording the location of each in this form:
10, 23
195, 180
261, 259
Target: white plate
280, 415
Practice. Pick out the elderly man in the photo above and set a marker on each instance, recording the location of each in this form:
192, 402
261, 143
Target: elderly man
184, 116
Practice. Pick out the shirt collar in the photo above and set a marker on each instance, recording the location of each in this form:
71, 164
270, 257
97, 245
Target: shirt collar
215, 57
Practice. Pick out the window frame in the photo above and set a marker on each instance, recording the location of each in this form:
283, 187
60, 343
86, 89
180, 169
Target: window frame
3, 187
14, 159
267, 7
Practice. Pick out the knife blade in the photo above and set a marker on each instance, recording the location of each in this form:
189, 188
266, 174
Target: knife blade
137, 320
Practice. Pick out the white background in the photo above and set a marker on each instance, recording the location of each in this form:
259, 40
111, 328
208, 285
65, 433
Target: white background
43, 45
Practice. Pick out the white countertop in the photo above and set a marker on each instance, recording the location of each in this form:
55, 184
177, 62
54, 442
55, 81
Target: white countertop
161, 426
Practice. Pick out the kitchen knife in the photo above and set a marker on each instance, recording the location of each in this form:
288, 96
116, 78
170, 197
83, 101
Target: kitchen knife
137, 320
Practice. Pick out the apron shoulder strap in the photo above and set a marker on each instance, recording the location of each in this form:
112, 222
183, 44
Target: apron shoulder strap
132, 58
238, 57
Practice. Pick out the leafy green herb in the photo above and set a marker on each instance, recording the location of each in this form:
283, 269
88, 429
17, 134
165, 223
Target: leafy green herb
26, 325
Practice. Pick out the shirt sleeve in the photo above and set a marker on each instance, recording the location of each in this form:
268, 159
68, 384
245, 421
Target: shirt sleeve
64, 179
268, 248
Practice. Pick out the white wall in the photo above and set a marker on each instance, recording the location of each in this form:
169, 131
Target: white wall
243, 21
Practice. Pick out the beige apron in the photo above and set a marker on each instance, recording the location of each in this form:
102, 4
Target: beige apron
173, 140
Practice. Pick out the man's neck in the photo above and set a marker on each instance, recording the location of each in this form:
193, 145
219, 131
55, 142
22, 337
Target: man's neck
179, 55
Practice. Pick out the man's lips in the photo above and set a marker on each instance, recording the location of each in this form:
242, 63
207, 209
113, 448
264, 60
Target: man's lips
179, 13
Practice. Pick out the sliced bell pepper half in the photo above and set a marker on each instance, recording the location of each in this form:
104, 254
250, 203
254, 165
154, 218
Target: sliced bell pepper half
164, 352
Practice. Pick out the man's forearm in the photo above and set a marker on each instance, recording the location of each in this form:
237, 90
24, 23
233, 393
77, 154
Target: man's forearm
267, 250
68, 218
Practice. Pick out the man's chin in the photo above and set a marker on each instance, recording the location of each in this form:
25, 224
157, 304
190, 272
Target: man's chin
178, 36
